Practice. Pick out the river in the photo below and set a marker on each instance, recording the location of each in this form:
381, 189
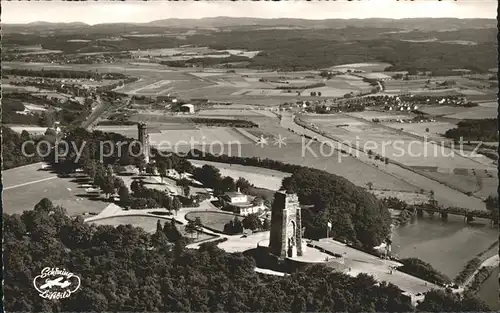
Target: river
489, 290
448, 246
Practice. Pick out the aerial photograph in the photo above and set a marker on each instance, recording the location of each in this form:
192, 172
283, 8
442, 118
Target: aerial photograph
237, 156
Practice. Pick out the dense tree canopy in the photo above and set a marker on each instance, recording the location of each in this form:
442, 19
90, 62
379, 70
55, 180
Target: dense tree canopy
444, 301
12, 152
423, 270
110, 149
359, 217
127, 269
475, 130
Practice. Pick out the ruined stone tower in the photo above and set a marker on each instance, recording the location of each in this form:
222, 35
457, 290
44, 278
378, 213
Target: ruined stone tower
143, 137
286, 226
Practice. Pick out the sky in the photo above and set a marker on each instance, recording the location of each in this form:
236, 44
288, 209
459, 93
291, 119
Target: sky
134, 11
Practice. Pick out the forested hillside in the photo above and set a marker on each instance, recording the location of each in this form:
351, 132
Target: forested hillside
126, 269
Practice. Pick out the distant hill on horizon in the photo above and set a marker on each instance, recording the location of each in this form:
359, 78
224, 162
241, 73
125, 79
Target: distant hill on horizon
431, 24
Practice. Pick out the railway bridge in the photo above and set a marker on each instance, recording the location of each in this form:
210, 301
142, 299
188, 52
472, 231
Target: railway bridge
468, 214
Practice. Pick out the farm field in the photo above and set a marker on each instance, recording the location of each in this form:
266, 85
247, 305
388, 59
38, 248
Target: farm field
212, 137
226, 113
259, 177
408, 197
125, 130
483, 111
354, 170
392, 144
333, 92
481, 187
158, 118
442, 110
388, 115
436, 129
153, 127
445, 195
478, 112
368, 66
34, 130
6, 88
25, 186
212, 220
159, 80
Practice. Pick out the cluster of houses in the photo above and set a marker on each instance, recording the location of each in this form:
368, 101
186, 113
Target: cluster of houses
403, 103
61, 58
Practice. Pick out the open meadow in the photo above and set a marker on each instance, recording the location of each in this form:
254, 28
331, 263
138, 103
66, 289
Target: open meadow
482, 111
436, 129
391, 143
367, 67
25, 186
408, 197
481, 187
212, 137
257, 176
34, 130
213, 220
307, 155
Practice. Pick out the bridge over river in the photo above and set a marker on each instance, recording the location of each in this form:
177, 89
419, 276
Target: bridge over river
468, 214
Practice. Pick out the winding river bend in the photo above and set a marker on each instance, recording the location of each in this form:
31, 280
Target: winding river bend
448, 246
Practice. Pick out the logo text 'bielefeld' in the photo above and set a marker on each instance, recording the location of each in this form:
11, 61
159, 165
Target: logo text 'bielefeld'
54, 283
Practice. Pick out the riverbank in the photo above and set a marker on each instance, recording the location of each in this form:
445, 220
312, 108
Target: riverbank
482, 274
472, 267
488, 292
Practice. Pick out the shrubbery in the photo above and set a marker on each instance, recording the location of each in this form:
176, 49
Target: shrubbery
423, 270
475, 130
143, 272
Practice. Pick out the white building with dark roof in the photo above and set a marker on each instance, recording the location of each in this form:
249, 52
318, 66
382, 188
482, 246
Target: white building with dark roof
240, 203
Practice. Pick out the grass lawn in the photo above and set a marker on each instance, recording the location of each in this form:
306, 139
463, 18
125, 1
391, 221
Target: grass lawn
212, 220
149, 225
25, 186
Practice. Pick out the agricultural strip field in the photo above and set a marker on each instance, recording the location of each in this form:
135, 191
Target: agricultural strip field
481, 187
160, 118
354, 170
259, 177
130, 131
436, 129
25, 186
478, 112
125, 130
488, 110
212, 137
34, 130
227, 113
408, 197
382, 116
443, 194
390, 143
368, 66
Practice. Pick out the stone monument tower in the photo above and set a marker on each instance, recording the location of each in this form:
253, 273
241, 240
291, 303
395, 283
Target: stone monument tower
286, 226
143, 137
